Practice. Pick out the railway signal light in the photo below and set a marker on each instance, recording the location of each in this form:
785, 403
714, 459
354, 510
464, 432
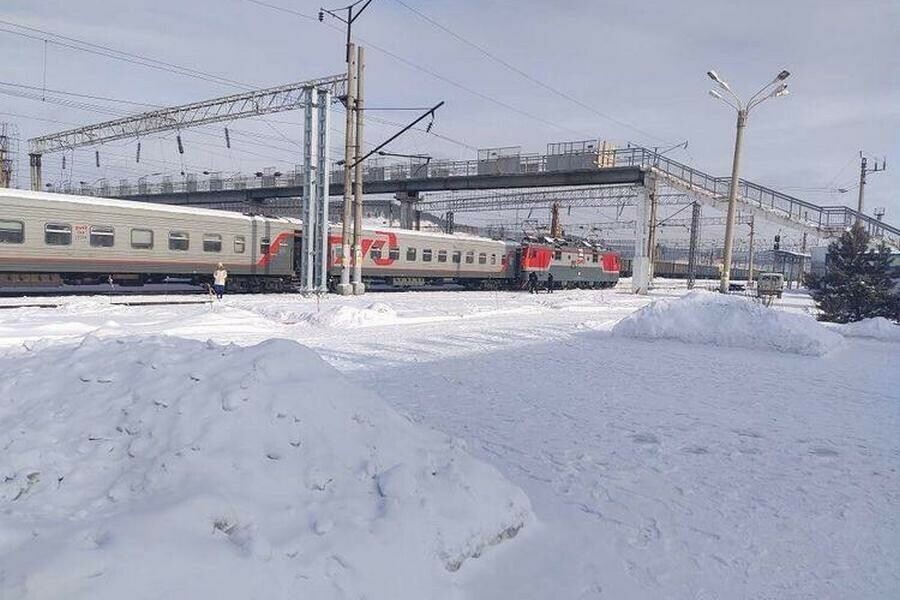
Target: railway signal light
777, 245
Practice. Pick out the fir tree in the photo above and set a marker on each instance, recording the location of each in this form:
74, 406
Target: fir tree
857, 282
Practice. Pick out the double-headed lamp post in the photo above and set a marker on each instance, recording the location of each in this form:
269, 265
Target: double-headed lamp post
773, 89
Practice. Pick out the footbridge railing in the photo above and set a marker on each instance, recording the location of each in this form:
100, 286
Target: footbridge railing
826, 220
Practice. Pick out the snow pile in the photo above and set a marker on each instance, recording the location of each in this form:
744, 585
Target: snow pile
878, 328
723, 320
169, 468
352, 317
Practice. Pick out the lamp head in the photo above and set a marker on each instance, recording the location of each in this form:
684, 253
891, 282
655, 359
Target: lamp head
715, 94
783, 75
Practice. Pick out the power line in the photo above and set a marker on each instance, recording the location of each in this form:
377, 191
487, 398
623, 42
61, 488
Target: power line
427, 71
77, 95
108, 52
145, 61
522, 73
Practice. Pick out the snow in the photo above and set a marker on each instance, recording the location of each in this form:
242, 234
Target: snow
198, 470
721, 320
655, 469
877, 328
378, 313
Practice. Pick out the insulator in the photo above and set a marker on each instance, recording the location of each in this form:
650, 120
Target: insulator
97, 158
180, 147
227, 139
64, 162
137, 156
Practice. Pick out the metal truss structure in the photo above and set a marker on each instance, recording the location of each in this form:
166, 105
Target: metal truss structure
237, 106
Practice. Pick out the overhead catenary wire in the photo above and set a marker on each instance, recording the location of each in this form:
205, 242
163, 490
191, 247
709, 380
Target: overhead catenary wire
550, 88
427, 71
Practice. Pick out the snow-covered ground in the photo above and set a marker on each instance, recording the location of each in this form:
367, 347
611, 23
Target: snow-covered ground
657, 465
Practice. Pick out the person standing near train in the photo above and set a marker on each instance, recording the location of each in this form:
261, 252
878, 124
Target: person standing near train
532, 282
549, 283
219, 277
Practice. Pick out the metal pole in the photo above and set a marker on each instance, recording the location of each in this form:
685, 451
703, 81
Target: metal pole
344, 288
308, 210
323, 177
732, 202
358, 287
695, 239
750, 259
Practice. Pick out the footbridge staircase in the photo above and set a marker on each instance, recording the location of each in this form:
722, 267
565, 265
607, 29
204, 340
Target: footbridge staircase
821, 221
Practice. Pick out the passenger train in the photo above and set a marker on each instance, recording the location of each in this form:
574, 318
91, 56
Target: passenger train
57, 239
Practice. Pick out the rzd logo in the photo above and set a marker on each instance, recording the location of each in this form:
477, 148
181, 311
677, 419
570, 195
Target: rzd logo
389, 239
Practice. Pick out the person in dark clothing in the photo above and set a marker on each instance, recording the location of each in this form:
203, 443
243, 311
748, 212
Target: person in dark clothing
549, 283
532, 282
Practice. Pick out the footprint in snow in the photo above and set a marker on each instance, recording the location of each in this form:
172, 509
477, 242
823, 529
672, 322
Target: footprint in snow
644, 438
823, 451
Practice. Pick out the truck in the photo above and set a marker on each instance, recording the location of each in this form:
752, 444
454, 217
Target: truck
770, 284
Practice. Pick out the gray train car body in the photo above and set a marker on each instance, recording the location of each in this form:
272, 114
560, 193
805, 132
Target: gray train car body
406, 258
62, 239
80, 240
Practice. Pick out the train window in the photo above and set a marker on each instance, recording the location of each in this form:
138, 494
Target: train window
212, 242
57, 234
493, 259
557, 255
442, 256
394, 253
596, 257
470, 257
482, 259
426, 255
411, 254
179, 240
263, 246
457, 255
239, 244
102, 236
12, 232
375, 253
142, 239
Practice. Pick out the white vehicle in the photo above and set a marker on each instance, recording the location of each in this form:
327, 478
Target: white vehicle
770, 284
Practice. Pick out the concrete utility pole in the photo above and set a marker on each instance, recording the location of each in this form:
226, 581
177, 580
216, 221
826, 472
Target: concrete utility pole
743, 110
555, 226
695, 240
344, 287
750, 258
863, 170
358, 287
34, 162
725, 281
862, 183
651, 242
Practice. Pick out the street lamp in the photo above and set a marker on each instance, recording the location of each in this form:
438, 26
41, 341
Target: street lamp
773, 89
